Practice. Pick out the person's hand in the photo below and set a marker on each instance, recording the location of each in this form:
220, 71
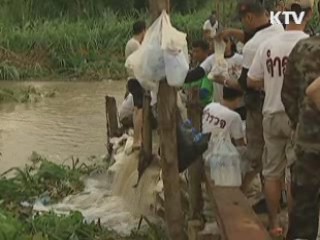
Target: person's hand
219, 79
223, 34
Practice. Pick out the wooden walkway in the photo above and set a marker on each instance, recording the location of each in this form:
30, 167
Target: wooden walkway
235, 216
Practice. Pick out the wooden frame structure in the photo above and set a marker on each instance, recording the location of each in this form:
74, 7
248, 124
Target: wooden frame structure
236, 219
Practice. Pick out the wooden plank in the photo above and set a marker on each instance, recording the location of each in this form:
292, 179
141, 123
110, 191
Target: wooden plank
236, 218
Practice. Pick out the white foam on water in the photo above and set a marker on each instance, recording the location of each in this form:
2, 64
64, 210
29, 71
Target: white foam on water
111, 197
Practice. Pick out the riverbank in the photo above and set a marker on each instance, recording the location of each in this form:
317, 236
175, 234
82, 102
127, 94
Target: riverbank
43, 182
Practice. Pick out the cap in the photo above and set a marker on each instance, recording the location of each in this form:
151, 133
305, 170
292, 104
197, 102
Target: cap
249, 6
304, 4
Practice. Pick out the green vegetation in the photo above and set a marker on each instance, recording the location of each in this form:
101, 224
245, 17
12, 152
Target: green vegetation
85, 39
51, 182
23, 94
91, 48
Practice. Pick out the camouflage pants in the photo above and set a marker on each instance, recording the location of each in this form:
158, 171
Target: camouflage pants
305, 187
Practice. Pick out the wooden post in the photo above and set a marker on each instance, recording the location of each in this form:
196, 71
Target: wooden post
112, 116
145, 157
167, 119
167, 111
112, 121
195, 171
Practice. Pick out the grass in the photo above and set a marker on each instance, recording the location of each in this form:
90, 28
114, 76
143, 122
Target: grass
87, 48
46, 180
93, 47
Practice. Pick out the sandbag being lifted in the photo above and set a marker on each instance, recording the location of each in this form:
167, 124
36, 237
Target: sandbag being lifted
163, 54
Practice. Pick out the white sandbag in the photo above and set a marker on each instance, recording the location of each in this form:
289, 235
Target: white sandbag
172, 39
147, 63
163, 53
177, 68
220, 66
224, 161
175, 47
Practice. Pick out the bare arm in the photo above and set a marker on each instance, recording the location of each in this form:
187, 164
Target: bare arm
313, 92
239, 34
227, 82
239, 142
255, 84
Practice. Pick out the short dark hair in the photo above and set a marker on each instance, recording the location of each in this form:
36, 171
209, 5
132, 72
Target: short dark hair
203, 45
298, 9
231, 94
139, 27
250, 6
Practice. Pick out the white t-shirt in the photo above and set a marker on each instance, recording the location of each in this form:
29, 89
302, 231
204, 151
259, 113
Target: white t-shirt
132, 46
127, 107
251, 47
218, 118
269, 65
213, 29
234, 70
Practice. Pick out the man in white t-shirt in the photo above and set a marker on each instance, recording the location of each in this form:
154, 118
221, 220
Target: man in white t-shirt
267, 72
210, 27
254, 19
139, 30
219, 117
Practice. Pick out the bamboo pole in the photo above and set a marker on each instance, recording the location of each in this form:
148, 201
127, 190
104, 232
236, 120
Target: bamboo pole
167, 118
195, 171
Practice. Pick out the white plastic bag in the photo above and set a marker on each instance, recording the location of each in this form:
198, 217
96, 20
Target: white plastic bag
147, 63
224, 161
172, 39
220, 67
174, 44
177, 68
163, 53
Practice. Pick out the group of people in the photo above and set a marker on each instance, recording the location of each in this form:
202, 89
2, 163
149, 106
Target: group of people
274, 88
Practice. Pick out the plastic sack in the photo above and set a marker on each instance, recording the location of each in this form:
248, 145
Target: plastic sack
176, 68
220, 66
191, 145
147, 63
175, 47
163, 53
224, 161
172, 39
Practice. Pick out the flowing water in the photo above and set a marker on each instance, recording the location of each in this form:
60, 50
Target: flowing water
73, 123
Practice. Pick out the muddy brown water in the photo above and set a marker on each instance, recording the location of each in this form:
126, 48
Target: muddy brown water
72, 123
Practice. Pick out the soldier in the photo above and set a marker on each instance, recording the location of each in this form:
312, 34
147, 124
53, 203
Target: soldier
302, 70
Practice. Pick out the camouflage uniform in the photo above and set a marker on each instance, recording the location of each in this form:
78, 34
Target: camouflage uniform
302, 69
